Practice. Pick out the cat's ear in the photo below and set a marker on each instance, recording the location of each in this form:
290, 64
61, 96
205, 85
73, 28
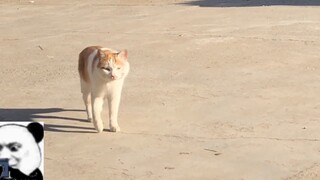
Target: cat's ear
101, 54
123, 55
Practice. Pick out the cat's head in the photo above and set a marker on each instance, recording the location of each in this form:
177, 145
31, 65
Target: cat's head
114, 65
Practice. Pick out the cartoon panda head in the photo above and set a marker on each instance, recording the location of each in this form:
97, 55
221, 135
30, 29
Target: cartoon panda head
19, 144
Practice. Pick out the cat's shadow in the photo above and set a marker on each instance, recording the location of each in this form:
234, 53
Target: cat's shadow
44, 113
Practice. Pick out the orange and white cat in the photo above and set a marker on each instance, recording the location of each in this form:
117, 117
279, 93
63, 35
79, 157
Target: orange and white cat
102, 73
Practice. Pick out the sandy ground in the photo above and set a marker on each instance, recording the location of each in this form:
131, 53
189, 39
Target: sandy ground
217, 90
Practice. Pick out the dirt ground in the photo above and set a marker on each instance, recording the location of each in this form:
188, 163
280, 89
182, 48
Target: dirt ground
221, 89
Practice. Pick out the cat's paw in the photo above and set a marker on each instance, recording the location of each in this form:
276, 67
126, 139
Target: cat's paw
114, 128
98, 127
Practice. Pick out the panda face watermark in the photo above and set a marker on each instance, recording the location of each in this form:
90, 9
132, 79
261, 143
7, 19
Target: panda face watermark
21, 146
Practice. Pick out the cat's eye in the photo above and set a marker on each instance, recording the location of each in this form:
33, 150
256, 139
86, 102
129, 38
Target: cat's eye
106, 68
118, 68
1, 147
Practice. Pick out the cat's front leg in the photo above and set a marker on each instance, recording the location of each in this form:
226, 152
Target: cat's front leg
114, 96
114, 102
97, 109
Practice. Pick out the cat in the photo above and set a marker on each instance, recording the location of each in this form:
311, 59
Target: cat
102, 73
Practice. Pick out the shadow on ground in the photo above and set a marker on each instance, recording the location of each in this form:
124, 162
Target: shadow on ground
34, 114
251, 3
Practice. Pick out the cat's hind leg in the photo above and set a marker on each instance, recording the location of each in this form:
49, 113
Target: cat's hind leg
86, 95
87, 101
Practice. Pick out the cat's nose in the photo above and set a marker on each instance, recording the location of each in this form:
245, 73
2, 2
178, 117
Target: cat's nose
112, 77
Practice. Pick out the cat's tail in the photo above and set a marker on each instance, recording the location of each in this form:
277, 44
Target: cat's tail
82, 66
